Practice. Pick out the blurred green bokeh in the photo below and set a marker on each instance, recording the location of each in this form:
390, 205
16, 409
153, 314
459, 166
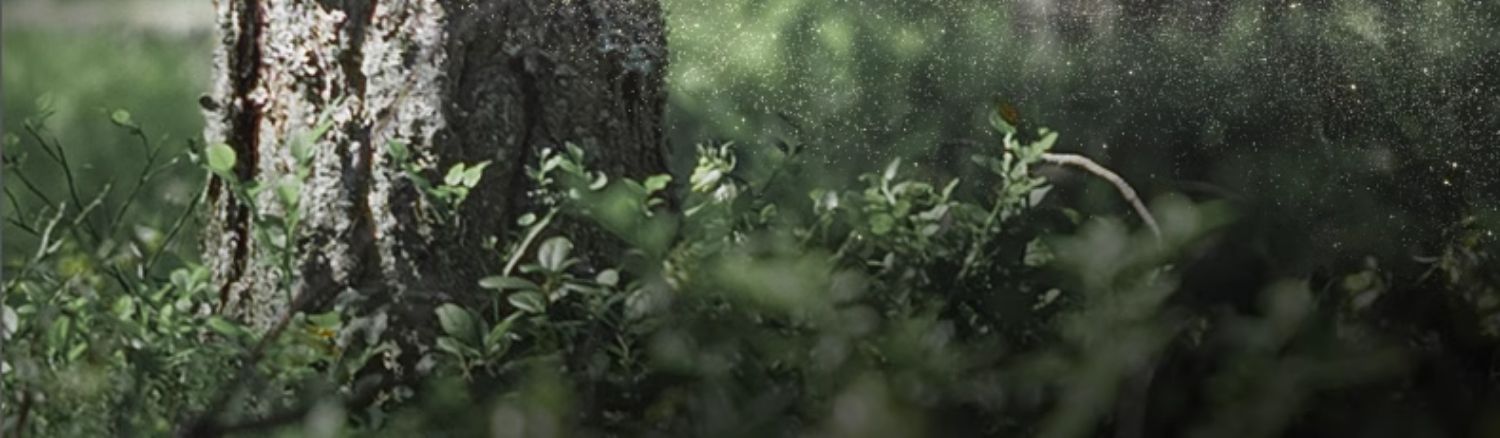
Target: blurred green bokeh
1387, 109
1346, 126
81, 70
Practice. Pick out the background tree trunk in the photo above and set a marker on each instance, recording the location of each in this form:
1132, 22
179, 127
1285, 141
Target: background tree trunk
456, 81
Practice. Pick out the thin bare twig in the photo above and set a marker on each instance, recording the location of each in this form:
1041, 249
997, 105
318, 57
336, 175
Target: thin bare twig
60, 157
1126, 191
177, 226
30, 186
148, 172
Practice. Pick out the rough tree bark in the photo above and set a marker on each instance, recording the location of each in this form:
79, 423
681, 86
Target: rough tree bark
456, 81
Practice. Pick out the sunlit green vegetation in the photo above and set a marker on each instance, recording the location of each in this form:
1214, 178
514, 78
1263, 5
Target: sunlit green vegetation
855, 249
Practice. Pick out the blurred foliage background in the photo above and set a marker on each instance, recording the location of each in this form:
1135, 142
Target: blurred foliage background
1355, 142
83, 60
1387, 110
1353, 126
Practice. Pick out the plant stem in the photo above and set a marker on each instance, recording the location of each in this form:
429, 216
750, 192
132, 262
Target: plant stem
536, 230
1126, 191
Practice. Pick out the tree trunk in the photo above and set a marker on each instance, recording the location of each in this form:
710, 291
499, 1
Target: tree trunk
457, 81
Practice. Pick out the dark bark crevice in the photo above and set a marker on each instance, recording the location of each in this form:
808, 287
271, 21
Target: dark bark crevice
361, 13
244, 138
364, 229
533, 128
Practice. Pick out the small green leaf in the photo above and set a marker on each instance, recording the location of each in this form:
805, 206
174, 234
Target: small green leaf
455, 175
325, 319
935, 214
574, 151
77, 351
931, 229
890, 170
459, 323
289, 190
1045, 144
455, 347
124, 307
553, 253
226, 328
901, 208
122, 118
609, 277
493, 340
9, 321
551, 163
526, 219
301, 149
497, 282
58, 333
705, 179
882, 223
657, 182
472, 174
948, 190
1359, 282
1037, 195
182, 279
1047, 298
221, 158
528, 301
398, 151
322, 129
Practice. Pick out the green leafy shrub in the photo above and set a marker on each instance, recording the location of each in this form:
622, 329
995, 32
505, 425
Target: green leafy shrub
895, 307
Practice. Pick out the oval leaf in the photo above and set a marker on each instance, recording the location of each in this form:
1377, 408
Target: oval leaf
473, 173
553, 253
458, 323
122, 118
9, 321
226, 328
497, 282
528, 301
455, 347
526, 219
398, 151
890, 170
289, 190
455, 175
220, 158
609, 277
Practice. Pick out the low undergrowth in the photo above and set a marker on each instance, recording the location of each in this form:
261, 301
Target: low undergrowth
755, 305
